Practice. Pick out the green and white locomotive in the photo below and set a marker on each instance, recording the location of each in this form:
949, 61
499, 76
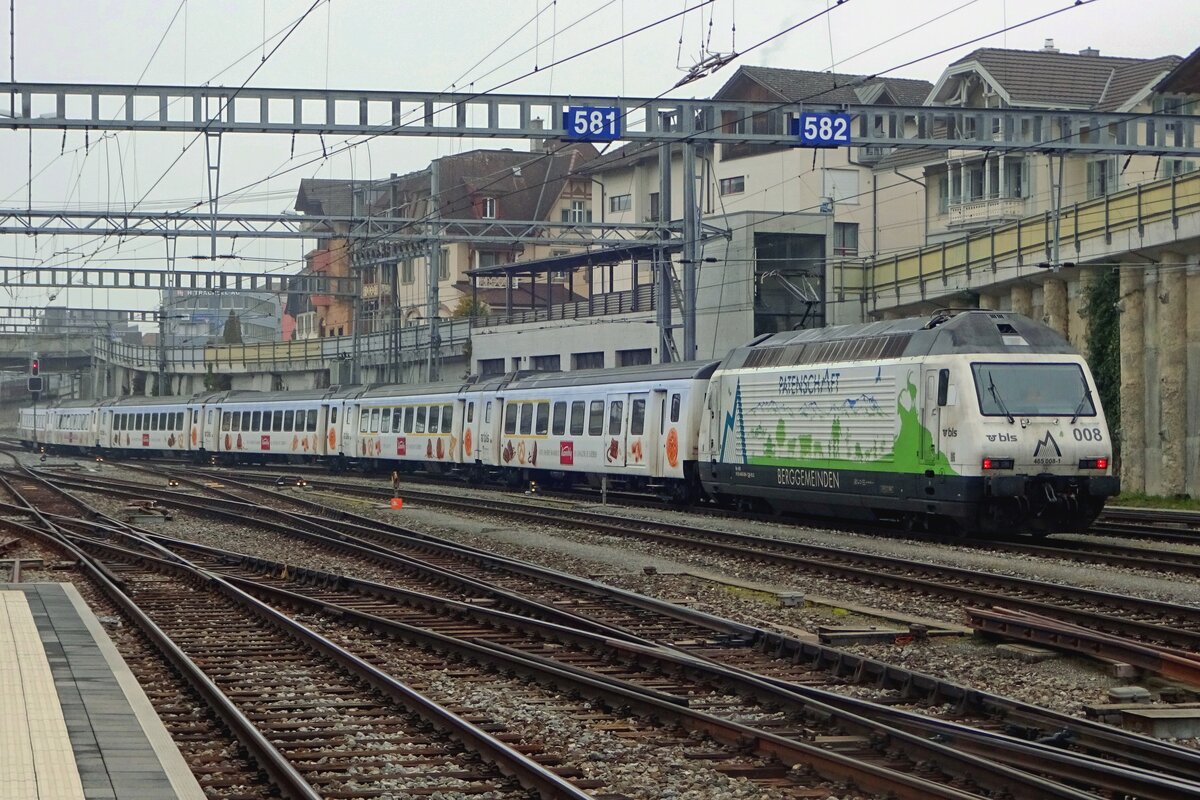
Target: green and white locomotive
978, 421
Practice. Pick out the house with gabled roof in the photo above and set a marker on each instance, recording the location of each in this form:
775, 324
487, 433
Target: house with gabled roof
971, 189
803, 222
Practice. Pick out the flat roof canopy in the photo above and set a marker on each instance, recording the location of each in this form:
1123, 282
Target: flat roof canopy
617, 254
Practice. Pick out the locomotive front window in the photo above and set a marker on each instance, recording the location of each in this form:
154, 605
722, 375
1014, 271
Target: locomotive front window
1032, 390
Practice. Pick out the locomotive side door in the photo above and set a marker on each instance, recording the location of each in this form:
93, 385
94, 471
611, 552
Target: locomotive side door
930, 419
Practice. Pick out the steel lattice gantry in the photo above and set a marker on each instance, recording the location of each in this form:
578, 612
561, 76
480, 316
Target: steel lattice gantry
215, 109
156, 279
62, 222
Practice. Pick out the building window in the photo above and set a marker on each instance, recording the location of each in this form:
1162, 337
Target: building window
1101, 177
653, 215
633, 358
489, 367
545, 363
444, 265
407, 274
620, 202
577, 213
845, 238
587, 360
841, 185
1177, 166
943, 193
733, 185
487, 208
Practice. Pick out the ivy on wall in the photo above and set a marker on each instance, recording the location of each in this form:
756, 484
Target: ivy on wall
1102, 310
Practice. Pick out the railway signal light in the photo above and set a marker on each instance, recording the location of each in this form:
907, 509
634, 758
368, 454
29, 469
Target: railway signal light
34, 366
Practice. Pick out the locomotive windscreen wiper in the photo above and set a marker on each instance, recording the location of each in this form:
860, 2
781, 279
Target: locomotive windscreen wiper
996, 395
1087, 395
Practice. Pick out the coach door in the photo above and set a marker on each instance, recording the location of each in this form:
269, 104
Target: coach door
615, 450
639, 450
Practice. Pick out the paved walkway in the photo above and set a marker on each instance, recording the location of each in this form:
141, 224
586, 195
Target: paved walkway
74, 724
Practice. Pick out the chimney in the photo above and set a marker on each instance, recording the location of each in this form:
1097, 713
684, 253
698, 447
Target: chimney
1049, 47
537, 145
1089, 51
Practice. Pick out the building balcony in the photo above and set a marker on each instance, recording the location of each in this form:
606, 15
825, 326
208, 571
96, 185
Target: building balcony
984, 211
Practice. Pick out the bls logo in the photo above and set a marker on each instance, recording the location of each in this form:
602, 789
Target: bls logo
1047, 442
566, 452
1002, 437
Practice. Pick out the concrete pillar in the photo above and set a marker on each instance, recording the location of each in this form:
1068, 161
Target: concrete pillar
1172, 372
1078, 325
1133, 374
1192, 449
989, 301
1022, 299
1054, 301
1151, 391
1173, 318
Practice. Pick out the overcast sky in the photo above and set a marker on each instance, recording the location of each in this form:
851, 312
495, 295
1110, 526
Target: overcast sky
467, 44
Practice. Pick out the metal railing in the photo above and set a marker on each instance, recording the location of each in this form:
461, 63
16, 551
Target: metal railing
644, 298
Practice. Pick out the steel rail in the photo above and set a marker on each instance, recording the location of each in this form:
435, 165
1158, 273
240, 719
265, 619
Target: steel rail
529, 773
852, 714
1093, 736
284, 776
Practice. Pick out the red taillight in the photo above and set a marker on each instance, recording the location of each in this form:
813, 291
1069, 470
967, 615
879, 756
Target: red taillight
998, 463
1101, 463
1093, 463
987, 463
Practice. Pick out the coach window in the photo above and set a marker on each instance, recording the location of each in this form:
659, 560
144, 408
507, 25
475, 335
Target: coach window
408, 420
560, 419
447, 418
542, 425
470, 412
435, 414
374, 424
510, 419
637, 418
178, 420
675, 408
256, 421
419, 427
333, 415
312, 419
225, 417
277, 421
162, 421
237, 421
289, 420
154, 418
526, 418
487, 412
577, 414
385, 421
596, 418
397, 420
616, 412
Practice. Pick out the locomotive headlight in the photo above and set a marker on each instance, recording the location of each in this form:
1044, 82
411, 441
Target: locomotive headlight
1093, 463
997, 463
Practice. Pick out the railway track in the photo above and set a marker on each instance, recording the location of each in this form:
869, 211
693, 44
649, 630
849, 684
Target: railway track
1124, 615
1092, 735
218, 633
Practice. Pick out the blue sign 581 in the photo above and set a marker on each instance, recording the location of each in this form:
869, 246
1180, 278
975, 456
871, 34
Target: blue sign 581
823, 130
592, 124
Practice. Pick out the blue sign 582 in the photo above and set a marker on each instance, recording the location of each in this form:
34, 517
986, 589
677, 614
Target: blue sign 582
592, 124
823, 130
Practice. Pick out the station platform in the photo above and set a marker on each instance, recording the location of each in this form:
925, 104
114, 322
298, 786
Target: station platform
74, 724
